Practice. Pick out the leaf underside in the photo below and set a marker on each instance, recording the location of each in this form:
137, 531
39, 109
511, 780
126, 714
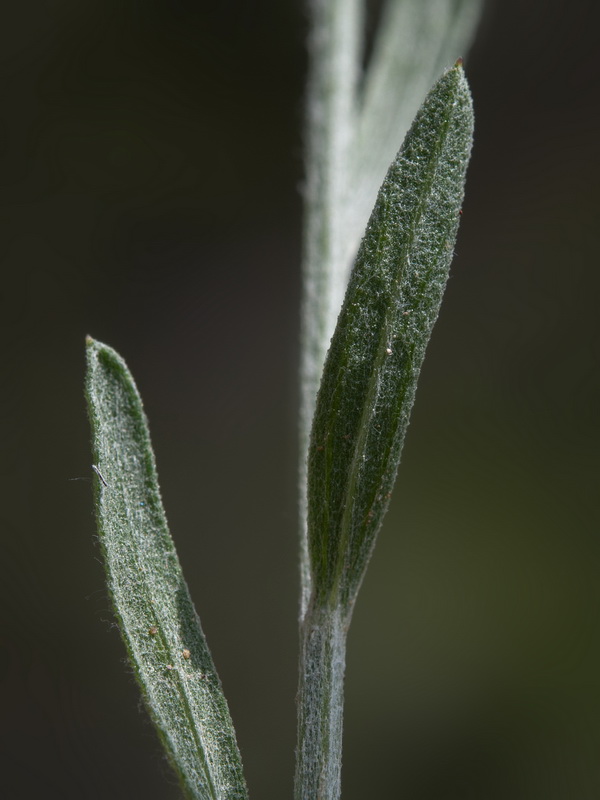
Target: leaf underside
157, 620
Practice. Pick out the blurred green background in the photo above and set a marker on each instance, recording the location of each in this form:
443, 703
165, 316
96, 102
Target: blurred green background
149, 192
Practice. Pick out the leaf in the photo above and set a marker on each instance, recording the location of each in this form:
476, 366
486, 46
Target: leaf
158, 623
356, 120
371, 371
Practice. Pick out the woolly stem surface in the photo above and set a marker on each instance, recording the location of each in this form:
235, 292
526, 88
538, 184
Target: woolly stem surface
320, 705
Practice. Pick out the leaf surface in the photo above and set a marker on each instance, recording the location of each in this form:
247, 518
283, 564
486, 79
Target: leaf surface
371, 370
158, 623
356, 120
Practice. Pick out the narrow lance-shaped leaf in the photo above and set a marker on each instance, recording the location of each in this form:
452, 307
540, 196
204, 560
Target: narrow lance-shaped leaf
371, 371
356, 119
158, 623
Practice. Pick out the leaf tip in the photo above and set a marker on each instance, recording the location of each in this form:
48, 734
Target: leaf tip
94, 347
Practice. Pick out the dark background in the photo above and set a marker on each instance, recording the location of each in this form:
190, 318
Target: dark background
150, 173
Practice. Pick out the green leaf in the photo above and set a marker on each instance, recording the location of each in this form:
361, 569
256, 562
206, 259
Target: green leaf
356, 120
158, 623
371, 371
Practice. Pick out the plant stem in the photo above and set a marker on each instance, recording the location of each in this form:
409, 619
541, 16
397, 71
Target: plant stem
334, 66
320, 705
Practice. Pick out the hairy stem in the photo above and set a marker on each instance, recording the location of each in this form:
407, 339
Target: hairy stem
320, 705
